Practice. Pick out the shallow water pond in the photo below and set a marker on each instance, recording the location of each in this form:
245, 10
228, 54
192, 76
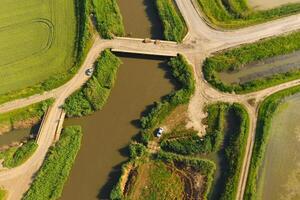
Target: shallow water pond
264, 68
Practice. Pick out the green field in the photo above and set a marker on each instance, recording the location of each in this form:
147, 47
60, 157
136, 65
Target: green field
37, 42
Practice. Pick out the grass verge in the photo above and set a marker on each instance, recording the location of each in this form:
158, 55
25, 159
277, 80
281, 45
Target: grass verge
94, 94
108, 18
265, 115
174, 25
23, 117
50, 179
231, 14
236, 59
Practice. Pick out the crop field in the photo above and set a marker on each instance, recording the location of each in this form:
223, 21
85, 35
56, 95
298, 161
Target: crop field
37, 41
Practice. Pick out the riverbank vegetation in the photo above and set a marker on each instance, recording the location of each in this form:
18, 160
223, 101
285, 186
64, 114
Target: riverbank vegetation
50, 179
182, 72
108, 18
237, 13
266, 112
23, 117
67, 21
226, 135
16, 156
173, 23
237, 58
94, 94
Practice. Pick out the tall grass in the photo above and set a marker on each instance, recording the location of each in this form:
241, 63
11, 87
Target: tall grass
174, 25
108, 17
50, 179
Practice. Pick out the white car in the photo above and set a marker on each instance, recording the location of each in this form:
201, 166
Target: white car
89, 72
159, 132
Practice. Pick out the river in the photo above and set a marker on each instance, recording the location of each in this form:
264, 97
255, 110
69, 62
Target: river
141, 81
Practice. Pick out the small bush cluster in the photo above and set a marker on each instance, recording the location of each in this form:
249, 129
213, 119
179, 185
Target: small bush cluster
16, 156
94, 94
173, 23
193, 144
50, 179
235, 59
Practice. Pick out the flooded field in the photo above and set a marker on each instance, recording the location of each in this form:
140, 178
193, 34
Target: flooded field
265, 68
141, 81
267, 4
141, 19
280, 174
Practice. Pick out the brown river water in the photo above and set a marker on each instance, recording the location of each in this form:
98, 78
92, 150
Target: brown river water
141, 81
141, 19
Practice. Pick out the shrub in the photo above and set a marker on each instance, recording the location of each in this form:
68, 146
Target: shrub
108, 17
94, 94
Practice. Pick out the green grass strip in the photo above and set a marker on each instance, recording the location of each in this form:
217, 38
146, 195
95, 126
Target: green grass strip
237, 58
231, 14
109, 18
266, 112
174, 25
49, 181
